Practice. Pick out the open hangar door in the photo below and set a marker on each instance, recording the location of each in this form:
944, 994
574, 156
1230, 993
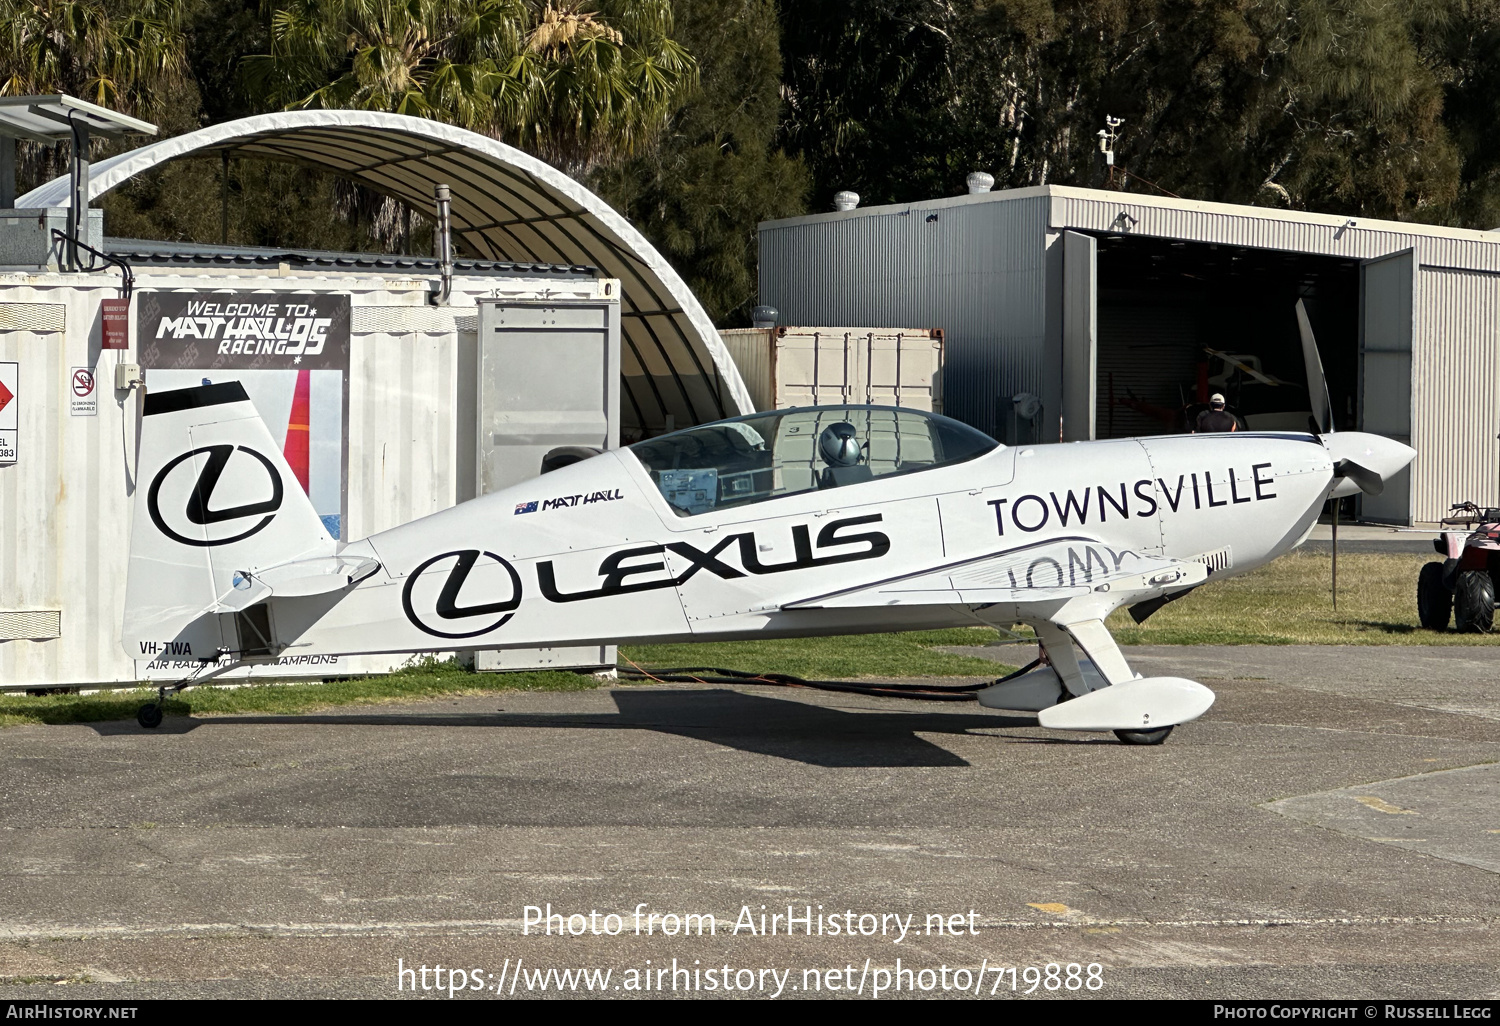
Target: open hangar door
1177, 321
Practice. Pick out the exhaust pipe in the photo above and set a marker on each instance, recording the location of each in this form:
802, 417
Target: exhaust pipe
444, 241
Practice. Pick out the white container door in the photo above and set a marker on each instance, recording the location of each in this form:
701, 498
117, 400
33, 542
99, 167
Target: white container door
817, 368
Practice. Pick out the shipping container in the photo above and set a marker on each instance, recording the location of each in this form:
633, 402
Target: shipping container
785, 366
382, 428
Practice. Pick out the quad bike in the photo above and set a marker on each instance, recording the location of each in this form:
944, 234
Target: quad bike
1463, 585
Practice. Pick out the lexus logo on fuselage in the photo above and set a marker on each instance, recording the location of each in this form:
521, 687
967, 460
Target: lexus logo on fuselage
198, 508
494, 596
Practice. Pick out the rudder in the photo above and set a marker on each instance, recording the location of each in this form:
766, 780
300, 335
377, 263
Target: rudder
216, 503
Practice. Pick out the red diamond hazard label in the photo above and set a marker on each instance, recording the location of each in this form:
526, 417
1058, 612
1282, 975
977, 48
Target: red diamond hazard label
5, 396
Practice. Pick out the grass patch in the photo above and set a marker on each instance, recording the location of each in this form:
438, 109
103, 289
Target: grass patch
874, 655
422, 680
907, 654
1288, 603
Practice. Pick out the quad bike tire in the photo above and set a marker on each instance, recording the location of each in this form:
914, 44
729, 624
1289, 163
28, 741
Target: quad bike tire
1434, 600
1474, 602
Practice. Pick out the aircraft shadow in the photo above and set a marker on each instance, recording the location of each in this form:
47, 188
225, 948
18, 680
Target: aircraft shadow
796, 731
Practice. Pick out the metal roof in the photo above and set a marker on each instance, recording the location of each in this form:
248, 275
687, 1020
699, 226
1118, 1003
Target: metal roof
49, 119
507, 206
155, 253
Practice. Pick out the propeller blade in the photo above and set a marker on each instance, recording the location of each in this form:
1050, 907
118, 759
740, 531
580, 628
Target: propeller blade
1317, 384
1369, 482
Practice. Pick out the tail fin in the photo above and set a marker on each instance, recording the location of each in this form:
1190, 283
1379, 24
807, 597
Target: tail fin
216, 503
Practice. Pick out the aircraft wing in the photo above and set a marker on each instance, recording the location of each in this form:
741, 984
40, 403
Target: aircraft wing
1050, 572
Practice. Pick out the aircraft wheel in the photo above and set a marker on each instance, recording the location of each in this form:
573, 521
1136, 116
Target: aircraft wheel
1474, 602
149, 716
1434, 601
1143, 737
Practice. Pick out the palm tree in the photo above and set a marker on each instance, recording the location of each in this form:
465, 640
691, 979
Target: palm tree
117, 54
128, 55
574, 84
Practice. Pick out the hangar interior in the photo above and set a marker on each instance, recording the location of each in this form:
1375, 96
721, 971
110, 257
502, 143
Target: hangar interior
1181, 320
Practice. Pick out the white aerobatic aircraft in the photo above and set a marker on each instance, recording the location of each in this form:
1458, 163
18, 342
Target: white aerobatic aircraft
798, 522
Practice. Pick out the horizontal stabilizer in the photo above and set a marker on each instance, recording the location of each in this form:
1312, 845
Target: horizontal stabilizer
1144, 704
292, 580
316, 576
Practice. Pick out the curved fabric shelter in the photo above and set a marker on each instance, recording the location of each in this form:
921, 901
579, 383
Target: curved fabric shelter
507, 205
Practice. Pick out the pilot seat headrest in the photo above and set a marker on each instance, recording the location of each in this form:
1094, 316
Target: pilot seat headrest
839, 445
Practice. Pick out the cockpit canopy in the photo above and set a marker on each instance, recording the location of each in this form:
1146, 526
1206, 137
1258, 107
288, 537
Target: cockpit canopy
783, 452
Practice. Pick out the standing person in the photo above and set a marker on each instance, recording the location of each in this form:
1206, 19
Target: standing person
1215, 418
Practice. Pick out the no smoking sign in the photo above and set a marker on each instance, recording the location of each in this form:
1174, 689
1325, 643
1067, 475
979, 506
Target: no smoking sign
85, 397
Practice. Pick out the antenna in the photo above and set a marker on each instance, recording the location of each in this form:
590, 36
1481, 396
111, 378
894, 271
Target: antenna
1107, 137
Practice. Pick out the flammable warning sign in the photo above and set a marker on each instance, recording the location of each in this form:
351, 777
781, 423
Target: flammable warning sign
10, 405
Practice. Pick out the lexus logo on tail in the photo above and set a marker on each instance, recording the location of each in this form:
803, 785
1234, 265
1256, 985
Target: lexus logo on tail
198, 509
493, 596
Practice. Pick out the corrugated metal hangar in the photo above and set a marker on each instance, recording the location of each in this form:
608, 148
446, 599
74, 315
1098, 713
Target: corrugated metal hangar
401, 385
1118, 310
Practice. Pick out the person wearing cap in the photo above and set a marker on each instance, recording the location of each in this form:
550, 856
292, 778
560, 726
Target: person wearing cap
1215, 418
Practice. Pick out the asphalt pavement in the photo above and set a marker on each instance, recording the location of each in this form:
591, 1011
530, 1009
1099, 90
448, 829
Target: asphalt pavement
1330, 829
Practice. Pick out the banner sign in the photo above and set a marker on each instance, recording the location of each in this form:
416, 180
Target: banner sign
290, 351
255, 330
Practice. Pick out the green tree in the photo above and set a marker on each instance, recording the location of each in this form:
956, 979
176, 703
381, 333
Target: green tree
1320, 104
118, 53
716, 170
576, 86
129, 55
1460, 42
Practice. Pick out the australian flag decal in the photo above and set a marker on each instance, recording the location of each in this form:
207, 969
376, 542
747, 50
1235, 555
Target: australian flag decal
526, 507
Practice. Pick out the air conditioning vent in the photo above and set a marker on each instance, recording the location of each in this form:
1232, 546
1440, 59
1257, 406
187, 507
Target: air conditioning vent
30, 625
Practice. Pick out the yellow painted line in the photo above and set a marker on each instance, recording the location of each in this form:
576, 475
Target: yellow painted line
1057, 908
1492, 831
1380, 805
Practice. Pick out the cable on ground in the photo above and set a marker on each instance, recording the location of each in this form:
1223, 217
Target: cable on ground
720, 675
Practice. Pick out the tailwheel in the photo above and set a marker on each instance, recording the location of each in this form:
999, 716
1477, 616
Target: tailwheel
1143, 737
149, 715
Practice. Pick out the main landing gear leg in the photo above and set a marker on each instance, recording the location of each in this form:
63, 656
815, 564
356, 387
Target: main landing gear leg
1062, 645
1094, 638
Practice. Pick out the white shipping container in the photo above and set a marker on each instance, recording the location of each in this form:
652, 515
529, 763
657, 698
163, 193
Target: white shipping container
66, 502
786, 366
